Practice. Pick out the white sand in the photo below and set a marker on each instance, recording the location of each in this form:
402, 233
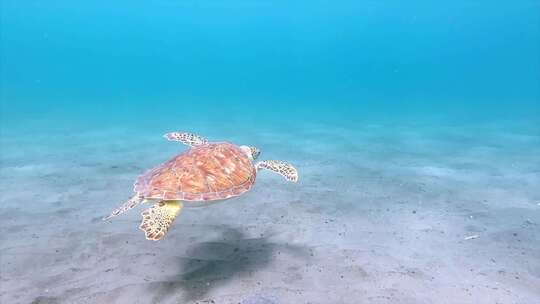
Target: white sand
381, 215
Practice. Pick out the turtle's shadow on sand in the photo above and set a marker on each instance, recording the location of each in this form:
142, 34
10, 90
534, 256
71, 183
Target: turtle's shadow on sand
215, 263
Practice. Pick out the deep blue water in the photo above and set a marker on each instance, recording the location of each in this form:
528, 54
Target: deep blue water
129, 63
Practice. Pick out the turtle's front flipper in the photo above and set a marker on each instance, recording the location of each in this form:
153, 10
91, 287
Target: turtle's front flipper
189, 139
158, 218
285, 169
131, 203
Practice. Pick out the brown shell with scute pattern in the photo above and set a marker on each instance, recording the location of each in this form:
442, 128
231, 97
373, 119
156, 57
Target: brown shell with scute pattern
208, 172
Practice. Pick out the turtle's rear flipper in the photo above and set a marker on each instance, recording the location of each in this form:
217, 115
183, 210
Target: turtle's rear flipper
158, 218
131, 203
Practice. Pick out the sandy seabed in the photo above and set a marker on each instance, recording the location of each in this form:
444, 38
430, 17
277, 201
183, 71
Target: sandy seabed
382, 214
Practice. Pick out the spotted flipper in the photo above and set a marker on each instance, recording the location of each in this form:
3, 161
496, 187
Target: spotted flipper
130, 204
158, 219
189, 139
285, 169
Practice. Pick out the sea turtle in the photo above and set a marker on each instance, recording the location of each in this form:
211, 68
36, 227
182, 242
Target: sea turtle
208, 171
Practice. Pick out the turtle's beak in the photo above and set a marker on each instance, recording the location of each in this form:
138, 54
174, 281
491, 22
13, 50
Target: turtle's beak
255, 152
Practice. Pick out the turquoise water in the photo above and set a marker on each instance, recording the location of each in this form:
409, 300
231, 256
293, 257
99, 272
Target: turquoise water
414, 126
106, 63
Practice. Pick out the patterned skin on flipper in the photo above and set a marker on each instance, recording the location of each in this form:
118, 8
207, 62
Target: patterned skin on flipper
214, 171
158, 219
189, 139
130, 204
285, 169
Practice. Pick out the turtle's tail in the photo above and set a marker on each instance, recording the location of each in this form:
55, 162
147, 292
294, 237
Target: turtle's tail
158, 219
131, 203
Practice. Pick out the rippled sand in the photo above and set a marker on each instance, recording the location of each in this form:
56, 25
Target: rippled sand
382, 214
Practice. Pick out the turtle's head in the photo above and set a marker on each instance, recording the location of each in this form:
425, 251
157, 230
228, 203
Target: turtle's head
251, 152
